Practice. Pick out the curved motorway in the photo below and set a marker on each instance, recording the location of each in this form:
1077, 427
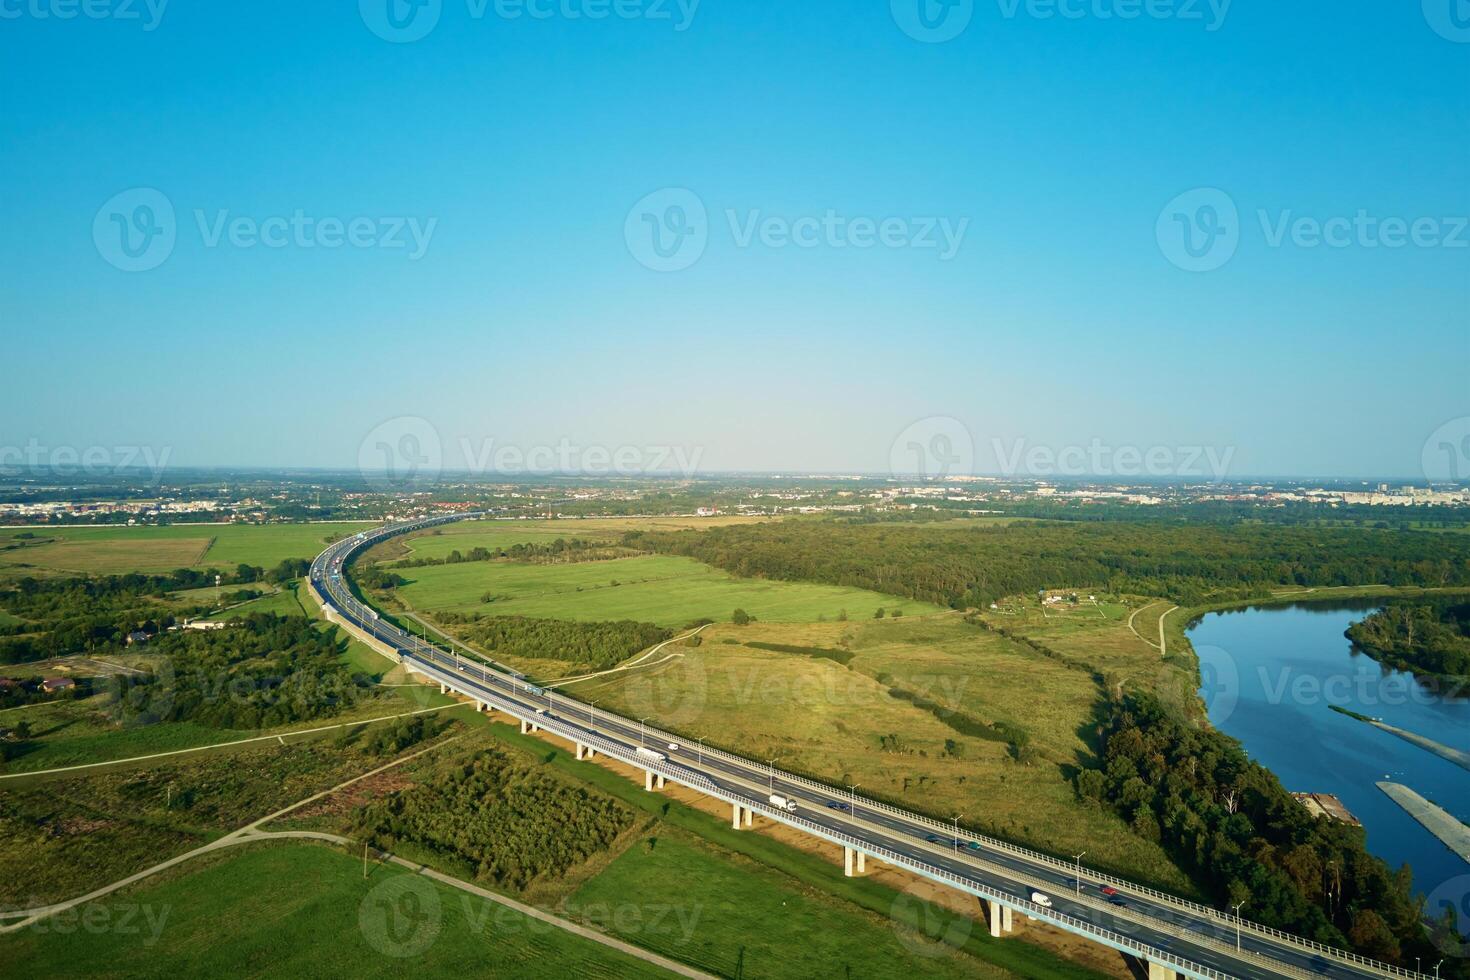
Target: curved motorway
1174, 934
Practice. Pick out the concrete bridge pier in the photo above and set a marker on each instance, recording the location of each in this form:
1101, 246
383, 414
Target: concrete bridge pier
739, 816
528, 727
443, 688
854, 862
1159, 971
584, 751
483, 706
652, 780
1001, 919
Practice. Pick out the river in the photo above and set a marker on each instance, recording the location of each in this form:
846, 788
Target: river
1270, 674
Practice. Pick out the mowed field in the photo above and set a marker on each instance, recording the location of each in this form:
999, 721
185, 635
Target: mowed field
116, 550
272, 910
844, 724
669, 591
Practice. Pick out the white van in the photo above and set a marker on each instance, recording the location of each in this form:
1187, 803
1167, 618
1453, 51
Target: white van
1041, 900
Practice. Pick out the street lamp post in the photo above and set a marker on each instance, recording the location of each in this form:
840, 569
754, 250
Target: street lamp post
957, 834
1237, 925
590, 708
700, 740
772, 764
1079, 871
852, 803
641, 730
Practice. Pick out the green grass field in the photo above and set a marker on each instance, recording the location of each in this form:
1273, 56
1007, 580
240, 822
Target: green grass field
113, 550
730, 916
841, 723
304, 910
669, 591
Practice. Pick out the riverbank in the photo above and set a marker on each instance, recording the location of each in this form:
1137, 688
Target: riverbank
1439, 822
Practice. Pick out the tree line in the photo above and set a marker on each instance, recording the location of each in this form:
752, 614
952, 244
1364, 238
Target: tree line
1430, 638
1230, 822
969, 566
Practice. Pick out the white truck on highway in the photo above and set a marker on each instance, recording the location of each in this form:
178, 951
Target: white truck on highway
651, 754
1041, 900
782, 803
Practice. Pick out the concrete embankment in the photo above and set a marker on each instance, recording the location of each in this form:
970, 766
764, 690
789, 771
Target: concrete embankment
1459, 758
1439, 822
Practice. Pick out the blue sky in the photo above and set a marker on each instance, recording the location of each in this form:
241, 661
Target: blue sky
1059, 313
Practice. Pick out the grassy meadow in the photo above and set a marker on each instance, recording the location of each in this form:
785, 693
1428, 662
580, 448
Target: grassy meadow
669, 591
107, 550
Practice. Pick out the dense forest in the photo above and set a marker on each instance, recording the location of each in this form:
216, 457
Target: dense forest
260, 672
1229, 821
79, 615
596, 645
1429, 637
969, 566
496, 820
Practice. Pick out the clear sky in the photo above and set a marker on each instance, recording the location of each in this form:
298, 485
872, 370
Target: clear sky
866, 218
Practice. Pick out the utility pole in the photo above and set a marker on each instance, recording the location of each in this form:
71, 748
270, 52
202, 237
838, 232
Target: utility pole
1237, 925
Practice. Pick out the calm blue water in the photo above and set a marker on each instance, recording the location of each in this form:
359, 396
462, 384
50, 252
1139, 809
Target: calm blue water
1269, 676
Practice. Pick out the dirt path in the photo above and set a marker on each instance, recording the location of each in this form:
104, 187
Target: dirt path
280, 737
252, 833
